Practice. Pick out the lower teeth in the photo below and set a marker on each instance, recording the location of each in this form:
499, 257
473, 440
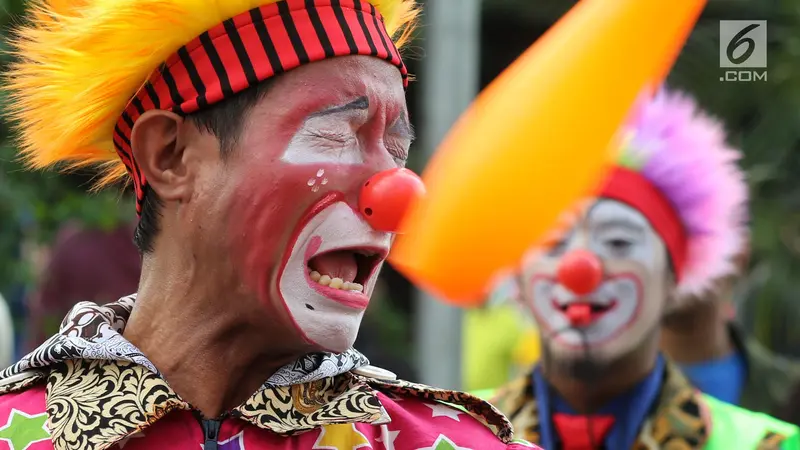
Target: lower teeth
335, 283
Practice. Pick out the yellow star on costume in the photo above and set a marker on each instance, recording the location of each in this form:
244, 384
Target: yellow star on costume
341, 437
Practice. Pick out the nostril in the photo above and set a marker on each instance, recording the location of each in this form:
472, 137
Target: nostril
386, 196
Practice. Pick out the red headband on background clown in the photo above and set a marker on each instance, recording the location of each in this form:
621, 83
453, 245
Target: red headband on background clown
88, 69
676, 168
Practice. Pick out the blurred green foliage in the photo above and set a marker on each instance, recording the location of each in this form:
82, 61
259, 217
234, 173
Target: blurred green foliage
763, 119
33, 205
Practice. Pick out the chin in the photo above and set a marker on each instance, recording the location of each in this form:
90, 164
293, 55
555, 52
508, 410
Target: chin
326, 281
606, 353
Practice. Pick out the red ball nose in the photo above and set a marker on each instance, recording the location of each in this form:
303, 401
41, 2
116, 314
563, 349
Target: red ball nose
386, 197
580, 271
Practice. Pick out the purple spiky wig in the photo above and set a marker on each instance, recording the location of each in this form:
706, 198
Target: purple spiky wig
677, 169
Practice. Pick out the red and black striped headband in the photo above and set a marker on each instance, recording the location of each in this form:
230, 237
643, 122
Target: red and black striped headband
248, 49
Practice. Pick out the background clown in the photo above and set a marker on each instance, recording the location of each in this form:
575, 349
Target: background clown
668, 222
265, 141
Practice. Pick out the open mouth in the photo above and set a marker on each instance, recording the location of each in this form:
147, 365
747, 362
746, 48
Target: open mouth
584, 311
343, 274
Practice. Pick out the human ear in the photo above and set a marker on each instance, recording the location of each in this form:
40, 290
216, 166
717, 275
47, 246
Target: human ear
158, 149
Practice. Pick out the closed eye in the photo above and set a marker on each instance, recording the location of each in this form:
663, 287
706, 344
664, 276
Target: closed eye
331, 136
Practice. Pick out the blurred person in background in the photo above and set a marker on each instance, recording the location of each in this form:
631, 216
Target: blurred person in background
85, 264
255, 133
6, 335
720, 358
790, 411
500, 340
668, 222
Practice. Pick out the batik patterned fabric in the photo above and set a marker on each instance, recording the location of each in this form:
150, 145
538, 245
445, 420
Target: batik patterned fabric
91, 331
681, 418
89, 389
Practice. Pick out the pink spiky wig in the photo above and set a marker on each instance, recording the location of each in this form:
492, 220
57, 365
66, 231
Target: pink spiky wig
88, 69
677, 169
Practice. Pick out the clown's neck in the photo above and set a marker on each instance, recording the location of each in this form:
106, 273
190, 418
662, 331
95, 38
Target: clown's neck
697, 334
213, 349
588, 393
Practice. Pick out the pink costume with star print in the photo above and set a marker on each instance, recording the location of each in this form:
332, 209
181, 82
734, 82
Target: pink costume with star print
414, 425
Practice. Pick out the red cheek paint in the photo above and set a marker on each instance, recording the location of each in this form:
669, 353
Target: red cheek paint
271, 204
271, 200
580, 315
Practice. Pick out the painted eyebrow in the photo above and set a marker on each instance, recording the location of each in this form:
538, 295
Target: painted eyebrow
359, 104
606, 225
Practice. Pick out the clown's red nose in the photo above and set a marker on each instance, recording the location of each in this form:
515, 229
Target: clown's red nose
580, 271
386, 197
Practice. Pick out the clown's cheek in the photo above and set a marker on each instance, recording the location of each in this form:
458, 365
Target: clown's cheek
268, 209
262, 231
622, 325
540, 303
333, 331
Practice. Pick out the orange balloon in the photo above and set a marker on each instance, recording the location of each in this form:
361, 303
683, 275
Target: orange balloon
535, 142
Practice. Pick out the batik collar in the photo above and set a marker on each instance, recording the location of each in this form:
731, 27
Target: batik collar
91, 367
96, 404
680, 414
94, 332
91, 370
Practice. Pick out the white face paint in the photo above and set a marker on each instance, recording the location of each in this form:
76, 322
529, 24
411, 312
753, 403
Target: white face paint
326, 315
302, 160
328, 138
326, 311
628, 303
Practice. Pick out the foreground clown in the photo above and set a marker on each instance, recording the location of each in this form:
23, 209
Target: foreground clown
669, 221
265, 219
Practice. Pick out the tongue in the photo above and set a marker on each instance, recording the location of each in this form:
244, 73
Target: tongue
579, 314
336, 265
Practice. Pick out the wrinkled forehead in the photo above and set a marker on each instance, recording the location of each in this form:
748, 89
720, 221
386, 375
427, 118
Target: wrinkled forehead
342, 79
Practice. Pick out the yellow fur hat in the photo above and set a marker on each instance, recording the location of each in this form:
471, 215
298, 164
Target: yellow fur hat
85, 67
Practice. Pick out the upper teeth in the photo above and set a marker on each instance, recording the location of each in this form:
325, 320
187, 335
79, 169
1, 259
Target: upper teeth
336, 283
